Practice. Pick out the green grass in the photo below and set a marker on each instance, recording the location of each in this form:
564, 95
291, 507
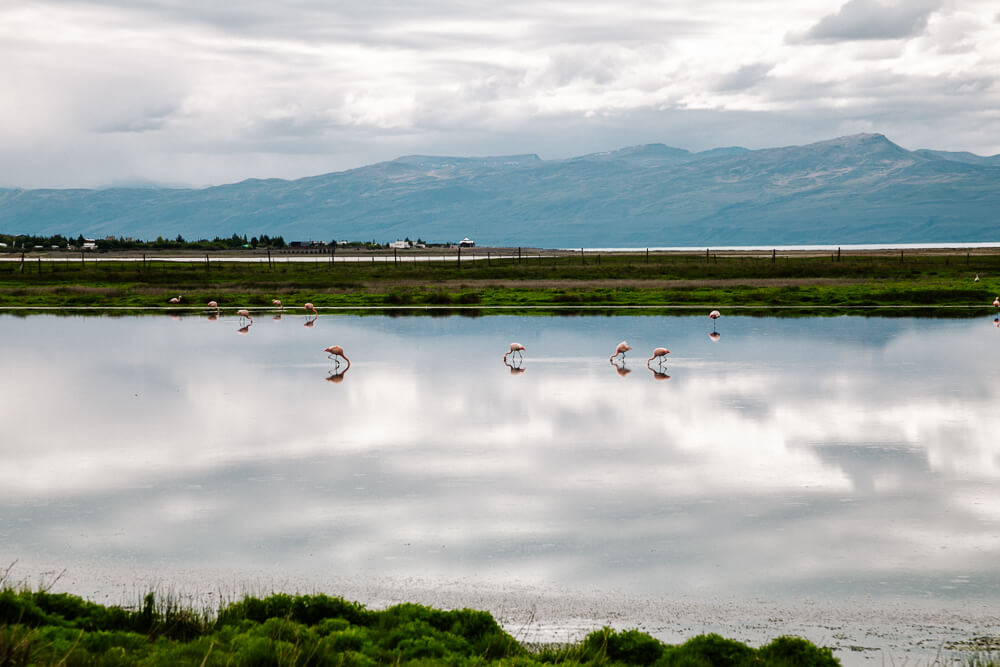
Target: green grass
556, 281
41, 628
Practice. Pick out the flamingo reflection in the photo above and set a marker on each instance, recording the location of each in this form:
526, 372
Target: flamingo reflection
622, 370
515, 366
245, 319
714, 336
659, 375
336, 375
312, 321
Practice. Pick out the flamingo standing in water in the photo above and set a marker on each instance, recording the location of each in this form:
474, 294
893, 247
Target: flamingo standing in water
996, 302
622, 348
277, 304
176, 299
514, 347
335, 351
311, 308
660, 354
714, 315
213, 304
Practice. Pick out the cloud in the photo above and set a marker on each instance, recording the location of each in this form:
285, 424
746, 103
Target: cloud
871, 19
745, 77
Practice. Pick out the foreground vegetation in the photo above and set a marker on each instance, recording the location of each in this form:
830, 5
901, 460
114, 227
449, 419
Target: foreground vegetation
551, 279
40, 628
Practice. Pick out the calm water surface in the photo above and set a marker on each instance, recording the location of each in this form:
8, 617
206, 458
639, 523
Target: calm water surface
816, 459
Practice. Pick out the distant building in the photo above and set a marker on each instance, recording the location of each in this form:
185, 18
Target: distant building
466, 243
399, 245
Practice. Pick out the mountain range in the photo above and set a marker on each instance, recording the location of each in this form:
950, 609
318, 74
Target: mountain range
855, 189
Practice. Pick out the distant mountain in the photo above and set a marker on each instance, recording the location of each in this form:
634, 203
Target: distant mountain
856, 189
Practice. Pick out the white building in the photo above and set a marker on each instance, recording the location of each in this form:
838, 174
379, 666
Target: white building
467, 243
399, 245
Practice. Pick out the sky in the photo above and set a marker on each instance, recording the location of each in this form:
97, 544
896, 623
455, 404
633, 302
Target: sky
183, 92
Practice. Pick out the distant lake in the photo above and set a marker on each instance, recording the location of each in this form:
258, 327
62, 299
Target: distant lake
805, 459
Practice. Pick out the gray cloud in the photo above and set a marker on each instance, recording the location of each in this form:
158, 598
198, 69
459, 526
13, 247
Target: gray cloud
745, 77
872, 19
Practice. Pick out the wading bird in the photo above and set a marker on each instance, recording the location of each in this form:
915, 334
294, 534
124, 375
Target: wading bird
176, 299
660, 354
514, 347
714, 315
996, 302
311, 308
244, 315
277, 303
622, 348
335, 351
213, 304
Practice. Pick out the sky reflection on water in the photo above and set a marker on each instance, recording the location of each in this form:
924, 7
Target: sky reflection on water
817, 456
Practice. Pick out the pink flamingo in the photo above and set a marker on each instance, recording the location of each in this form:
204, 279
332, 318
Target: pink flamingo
277, 303
996, 302
311, 308
660, 354
714, 315
176, 299
622, 348
514, 347
244, 315
213, 304
335, 351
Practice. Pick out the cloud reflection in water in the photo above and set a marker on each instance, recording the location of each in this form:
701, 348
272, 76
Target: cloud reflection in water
816, 456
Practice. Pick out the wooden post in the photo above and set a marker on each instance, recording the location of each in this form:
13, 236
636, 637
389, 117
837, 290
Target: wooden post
582, 259
21, 270
706, 255
39, 265
269, 267
519, 254
774, 255
208, 266
83, 263
647, 256
395, 256
838, 253
460, 256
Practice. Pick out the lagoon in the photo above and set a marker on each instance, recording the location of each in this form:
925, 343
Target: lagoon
843, 465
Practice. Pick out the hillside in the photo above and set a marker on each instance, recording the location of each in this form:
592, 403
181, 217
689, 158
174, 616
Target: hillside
856, 189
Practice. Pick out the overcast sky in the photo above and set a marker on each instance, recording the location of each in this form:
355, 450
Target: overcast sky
96, 92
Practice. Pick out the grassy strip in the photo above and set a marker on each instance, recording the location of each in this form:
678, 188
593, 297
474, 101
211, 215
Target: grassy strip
557, 282
40, 628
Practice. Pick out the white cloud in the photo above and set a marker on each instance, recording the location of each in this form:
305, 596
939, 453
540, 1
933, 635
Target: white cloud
179, 92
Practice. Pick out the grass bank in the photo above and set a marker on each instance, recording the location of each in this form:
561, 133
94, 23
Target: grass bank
559, 281
40, 628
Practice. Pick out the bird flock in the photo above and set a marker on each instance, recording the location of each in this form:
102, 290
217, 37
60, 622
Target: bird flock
516, 351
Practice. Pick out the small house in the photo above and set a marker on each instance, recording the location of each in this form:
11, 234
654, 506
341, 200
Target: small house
467, 243
399, 245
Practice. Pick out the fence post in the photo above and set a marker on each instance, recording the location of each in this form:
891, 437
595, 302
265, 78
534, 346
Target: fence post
582, 259
838, 253
774, 255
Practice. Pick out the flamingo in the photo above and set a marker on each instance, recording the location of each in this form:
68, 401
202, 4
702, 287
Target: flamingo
996, 302
514, 347
622, 348
277, 303
176, 299
311, 308
660, 354
244, 315
213, 304
714, 315
335, 351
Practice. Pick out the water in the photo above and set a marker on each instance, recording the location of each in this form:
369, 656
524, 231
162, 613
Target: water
848, 465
